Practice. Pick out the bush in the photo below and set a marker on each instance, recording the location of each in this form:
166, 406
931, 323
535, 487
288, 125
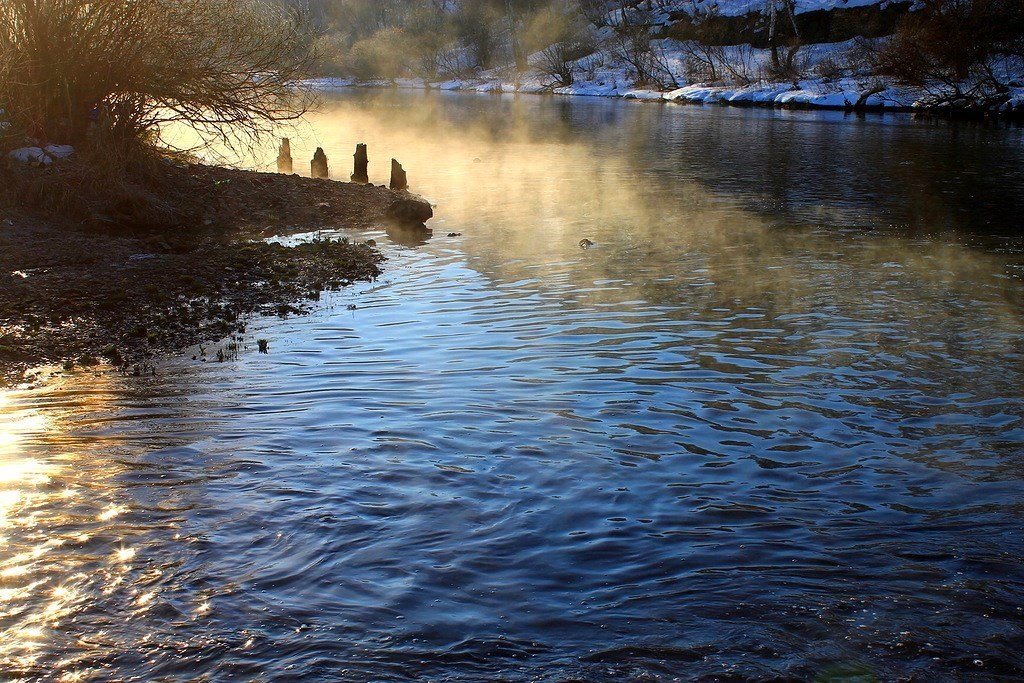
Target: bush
477, 27
382, 55
71, 69
962, 52
828, 69
631, 43
331, 52
558, 40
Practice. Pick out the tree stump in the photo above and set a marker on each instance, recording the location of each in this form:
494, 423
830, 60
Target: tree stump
284, 157
318, 167
360, 174
399, 180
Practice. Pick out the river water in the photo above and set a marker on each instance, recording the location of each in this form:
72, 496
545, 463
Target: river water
770, 425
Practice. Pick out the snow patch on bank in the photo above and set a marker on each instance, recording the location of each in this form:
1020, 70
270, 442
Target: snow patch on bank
663, 10
602, 74
41, 156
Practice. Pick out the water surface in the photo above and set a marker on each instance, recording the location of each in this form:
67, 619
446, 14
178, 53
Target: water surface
770, 425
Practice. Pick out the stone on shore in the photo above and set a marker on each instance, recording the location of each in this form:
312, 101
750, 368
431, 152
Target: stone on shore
41, 156
411, 210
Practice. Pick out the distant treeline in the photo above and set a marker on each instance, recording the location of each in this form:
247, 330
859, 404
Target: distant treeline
964, 53
429, 38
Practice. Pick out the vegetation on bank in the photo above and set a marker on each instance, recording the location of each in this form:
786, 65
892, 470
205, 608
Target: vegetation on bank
105, 77
122, 289
114, 247
112, 72
966, 55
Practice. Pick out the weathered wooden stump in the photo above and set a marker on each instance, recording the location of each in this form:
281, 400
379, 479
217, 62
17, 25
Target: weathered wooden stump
399, 180
360, 173
284, 157
318, 167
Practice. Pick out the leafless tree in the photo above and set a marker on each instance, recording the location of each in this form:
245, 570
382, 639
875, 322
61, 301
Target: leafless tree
631, 42
963, 53
783, 34
558, 39
70, 69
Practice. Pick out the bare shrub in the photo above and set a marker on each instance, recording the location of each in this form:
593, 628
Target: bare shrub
740, 64
783, 41
700, 65
431, 37
453, 63
786, 64
382, 55
559, 40
592, 63
963, 53
594, 11
829, 69
331, 53
476, 26
124, 67
631, 42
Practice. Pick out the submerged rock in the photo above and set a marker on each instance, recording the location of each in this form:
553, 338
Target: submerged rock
410, 210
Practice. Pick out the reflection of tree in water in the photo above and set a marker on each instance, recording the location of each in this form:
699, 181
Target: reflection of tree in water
836, 169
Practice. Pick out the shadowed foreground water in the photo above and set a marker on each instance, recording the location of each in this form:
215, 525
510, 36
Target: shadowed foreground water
769, 426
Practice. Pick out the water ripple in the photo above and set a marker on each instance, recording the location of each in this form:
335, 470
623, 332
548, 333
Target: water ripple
706, 449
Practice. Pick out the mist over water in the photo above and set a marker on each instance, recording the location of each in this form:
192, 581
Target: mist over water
769, 425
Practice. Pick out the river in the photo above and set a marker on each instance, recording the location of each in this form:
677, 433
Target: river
771, 424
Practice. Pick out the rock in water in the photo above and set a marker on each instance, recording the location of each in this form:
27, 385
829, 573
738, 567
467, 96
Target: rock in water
399, 180
586, 244
284, 157
360, 173
318, 167
410, 210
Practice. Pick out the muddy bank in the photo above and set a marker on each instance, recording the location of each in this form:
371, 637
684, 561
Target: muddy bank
98, 281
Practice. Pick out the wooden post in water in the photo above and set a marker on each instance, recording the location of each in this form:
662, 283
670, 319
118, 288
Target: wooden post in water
318, 167
399, 180
360, 174
284, 157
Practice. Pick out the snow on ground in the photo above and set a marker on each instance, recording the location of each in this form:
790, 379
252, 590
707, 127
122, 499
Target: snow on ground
41, 156
602, 74
661, 11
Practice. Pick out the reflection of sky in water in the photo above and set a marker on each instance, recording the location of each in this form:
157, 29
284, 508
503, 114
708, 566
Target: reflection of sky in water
768, 425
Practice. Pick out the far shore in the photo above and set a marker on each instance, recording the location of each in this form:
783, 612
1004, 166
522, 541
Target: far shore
809, 95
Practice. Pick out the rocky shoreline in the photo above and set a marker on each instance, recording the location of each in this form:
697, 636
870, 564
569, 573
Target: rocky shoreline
99, 282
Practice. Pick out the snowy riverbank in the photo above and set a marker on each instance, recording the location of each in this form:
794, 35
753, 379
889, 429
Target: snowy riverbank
602, 74
845, 94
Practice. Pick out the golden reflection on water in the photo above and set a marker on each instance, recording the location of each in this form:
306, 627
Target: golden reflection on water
523, 189
22, 482
54, 500
525, 182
